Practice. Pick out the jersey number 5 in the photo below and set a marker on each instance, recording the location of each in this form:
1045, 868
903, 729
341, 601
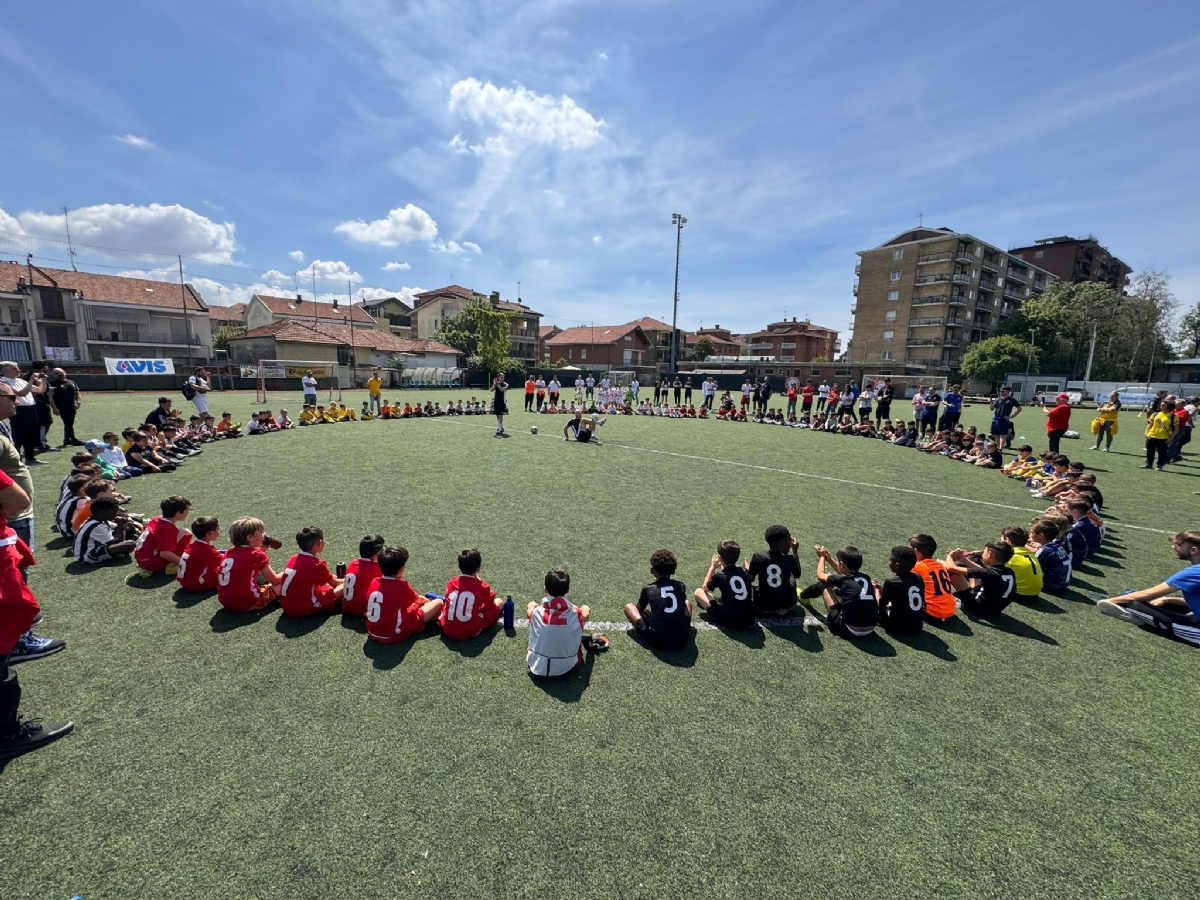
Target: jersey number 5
669, 593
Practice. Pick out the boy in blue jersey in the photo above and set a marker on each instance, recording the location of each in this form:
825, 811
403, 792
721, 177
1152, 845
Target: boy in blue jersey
1084, 535
1052, 554
1174, 616
951, 408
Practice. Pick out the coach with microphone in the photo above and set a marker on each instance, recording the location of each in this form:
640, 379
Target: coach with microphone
499, 406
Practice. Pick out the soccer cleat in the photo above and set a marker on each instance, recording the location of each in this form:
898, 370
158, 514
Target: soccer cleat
597, 643
172, 569
1116, 610
30, 735
31, 646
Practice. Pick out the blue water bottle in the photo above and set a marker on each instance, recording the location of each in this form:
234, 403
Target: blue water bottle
508, 613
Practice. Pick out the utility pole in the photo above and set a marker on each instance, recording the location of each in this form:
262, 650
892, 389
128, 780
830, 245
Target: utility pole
187, 323
1091, 353
1029, 361
678, 221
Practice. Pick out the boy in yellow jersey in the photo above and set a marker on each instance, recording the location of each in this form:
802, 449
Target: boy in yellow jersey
1023, 465
346, 415
1024, 564
308, 415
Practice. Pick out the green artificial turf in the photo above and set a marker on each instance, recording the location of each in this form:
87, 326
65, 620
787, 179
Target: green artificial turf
1044, 754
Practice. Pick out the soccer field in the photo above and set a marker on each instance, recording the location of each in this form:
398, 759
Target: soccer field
1042, 754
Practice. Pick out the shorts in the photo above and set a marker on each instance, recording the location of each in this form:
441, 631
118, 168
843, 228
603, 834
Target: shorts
973, 601
905, 623
1001, 426
583, 436
730, 617
665, 639
413, 622
465, 631
837, 623
1181, 625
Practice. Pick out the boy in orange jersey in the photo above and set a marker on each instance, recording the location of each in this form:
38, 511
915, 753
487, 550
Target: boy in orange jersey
939, 587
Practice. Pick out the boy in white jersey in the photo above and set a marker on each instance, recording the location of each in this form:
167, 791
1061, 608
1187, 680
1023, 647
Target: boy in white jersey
555, 629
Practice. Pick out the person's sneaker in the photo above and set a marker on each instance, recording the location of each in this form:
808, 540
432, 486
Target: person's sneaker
36, 462
32, 734
37, 620
1144, 466
1161, 469
32, 646
172, 569
1105, 450
1116, 610
1038, 495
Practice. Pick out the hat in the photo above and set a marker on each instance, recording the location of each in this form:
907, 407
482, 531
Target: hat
1063, 397
1005, 387
94, 445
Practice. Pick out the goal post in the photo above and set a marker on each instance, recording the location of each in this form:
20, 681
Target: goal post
906, 386
276, 377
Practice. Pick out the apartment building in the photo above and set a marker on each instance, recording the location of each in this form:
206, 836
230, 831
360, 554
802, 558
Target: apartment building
926, 295
724, 343
793, 340
603, 347
434, 306
1077, 259
263, 310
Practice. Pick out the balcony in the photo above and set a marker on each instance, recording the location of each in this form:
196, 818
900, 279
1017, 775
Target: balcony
982, 306
1006, 310
1013, 294
924, 342
931, 300
18, 329
990, 264
958, 300
940, 278
1017, 275
951, 342
855, 289
934, 257
1039, 283
964, 255
925, 323
853, 308
962, 277
956, 322
925, 363
858, 267
52, 312
989, 285
142, 336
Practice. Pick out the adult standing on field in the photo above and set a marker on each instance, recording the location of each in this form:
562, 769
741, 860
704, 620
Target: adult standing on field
41, 403
709, 390
25, 428
1058, 417
952, 408
12, 466
309, 384
636, 387
1106, 416
677, 386
375, 391
530, 387
199, 385
1004, 410
499, 405
883, 402
822, 396
64, 398
553, 388
540, 389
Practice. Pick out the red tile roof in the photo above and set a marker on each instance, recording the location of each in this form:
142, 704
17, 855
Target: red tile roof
506, 306
646, 323
456, 289
299, 331
227, 313
596, 334
546, 331
289, 306
104, 288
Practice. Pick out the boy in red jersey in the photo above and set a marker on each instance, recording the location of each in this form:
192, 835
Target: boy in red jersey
359, 575
394, 610
201, 561
161, 545
246, 581
471, 605
308, 585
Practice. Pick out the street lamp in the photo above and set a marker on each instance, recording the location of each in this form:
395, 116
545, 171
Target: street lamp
678, 221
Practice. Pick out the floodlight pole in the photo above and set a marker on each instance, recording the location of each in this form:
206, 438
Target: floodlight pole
678, 221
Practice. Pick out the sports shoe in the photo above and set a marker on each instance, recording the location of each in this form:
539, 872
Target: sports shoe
1038, 495
36, 462
31, 646
32, 734
1144, 466
1105, 450
1160, 469
1116, 610
172, 569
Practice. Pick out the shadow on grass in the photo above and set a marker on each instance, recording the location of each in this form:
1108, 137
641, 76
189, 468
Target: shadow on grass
60, 543
1089, 568
753, 637
953, 625
683, 658
223, 620
1042, 605
150, 582
806, 637
475, 646
357, 624
568, 688
925, 642
185, 599
872, 645
294, 627
1006, 623
79, 568
388, 656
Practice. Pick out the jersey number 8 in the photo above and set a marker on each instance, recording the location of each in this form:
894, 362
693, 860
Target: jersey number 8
774, 576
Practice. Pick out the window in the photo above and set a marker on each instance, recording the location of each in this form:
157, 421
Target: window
889, 335
897, 254
974, 274
1037, 254
979, 251
895, 274
343, 356
970, 295
56, 335
893, 296
886, 354
885, 371
628, 358
629, 338
1003, 260
816, 373
570, 353
52, 304
583, 352
889, 316
14, 315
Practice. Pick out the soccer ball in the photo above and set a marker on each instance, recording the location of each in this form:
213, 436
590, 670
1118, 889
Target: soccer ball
533, 429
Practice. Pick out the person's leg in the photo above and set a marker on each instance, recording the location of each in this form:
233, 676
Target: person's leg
1054, 437
1163, 453
703, 598
634, 616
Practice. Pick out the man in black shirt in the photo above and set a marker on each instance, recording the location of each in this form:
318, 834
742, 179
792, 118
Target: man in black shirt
64, 399
902, 597
765, 395
851, 604
983, 583
883, 402
663, 613
678, 386
732, 606
1004, 410
933, 402
776, 572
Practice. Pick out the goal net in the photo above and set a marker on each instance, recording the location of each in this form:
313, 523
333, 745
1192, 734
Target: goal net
284, 377
906, 386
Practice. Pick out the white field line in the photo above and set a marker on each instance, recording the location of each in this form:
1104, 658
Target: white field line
770, 622
867, 484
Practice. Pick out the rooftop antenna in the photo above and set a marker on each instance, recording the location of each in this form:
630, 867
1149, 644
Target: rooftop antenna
518, 292
920, 220
70, 247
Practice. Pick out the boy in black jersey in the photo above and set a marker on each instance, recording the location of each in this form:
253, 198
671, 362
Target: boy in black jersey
732, 607
983, 582
902, 597
776, 571
663, 613
851, 604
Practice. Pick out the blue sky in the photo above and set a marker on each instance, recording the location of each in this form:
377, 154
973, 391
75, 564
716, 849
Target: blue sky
405, 145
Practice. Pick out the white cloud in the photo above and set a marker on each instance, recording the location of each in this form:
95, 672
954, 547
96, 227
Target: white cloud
9, 224
330, 270
403, 224
453, 247
603, 57
297, 255
541, 263
396, 267
526, 117
155, 228
275, 276
458, 145
597, 239
134, 141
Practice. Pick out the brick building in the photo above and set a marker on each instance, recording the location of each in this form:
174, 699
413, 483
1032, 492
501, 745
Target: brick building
1077, 259
793, 341
434, 306
603, 347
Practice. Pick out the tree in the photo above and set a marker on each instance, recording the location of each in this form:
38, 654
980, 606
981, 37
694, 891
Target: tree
221, 336
1189, 331
989, 360
704, 348
480, 333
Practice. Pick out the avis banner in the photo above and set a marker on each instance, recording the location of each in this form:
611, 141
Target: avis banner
139, 366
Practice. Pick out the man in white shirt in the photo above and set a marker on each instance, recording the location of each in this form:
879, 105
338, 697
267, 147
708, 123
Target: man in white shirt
554, 388
822, 396
635, 386
199, 383
310, 388
591, 387
26, 431
746, 389
708, 388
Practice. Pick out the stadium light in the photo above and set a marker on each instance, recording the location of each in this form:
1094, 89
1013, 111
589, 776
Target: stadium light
678, 221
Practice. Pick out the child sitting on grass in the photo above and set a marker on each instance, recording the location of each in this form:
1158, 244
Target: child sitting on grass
365, 413
359, 575
308, 416
68, 506
141, 455
1052, 554
776, 572
246, 581
107, 535
663, 612
115, 456
471, 605
939, 589
732, 605
201, 560
555, 629
285, 421
308, 587
983, 582
227, 428
1023, 464
161, 545
851, 603
395, 612
902, 597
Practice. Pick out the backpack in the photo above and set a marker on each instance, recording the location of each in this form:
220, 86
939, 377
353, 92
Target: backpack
189, 390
